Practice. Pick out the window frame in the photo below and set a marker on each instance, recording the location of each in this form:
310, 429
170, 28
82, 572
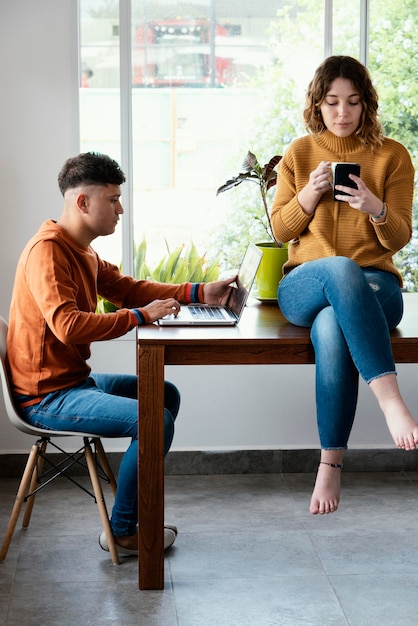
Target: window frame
125, 96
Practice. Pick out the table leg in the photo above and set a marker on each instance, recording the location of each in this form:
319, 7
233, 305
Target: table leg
151, 466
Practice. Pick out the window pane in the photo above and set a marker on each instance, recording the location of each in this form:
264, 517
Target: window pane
213, 79
212, 83
99, 94
393, 56
346, 28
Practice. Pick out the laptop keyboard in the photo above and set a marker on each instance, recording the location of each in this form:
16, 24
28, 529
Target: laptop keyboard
208, 313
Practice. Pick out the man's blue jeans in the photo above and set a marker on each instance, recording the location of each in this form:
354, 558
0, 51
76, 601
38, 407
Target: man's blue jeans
107, 405
350, 311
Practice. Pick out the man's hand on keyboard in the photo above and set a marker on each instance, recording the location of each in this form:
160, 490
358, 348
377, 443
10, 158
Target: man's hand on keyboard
159, 308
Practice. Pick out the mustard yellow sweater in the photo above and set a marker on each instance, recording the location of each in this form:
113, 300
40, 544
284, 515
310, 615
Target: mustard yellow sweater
335, 228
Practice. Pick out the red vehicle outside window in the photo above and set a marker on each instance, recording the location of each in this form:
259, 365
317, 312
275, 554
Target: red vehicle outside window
181, 53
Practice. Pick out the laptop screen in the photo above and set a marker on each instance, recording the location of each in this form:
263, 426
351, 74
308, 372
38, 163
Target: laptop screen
246, 275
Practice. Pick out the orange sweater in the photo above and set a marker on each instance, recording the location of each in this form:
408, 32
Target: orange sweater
52, 314
335, 228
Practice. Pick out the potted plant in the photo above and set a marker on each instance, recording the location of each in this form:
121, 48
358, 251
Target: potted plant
183, 264
274, 251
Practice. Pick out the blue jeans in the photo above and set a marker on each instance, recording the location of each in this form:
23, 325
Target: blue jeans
350, 311
107, 405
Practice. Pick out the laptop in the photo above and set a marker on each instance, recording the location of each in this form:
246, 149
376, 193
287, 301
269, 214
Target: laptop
231, 312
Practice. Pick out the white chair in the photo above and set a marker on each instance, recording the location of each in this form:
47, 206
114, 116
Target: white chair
35, 477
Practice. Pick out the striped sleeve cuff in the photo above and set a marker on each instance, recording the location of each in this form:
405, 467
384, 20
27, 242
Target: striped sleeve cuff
140, 317
194, 292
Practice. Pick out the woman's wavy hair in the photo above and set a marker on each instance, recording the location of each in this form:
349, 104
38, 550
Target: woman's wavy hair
369, 130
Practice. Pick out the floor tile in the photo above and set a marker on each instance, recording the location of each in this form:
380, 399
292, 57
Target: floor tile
248, 553
240, 554
263, 601
69, 603
378, 600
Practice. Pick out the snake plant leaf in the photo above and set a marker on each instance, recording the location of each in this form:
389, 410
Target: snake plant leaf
144, 272
166, 245
109, 307
179, 266
171, 264
193, 255
100, 307
158, 271
105, 306
196, 271
182, 271
213, 271
140, 252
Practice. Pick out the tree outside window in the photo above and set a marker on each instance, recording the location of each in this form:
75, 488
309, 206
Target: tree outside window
212, 80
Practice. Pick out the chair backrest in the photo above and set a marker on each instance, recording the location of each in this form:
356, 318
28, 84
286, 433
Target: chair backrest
12, 414
7, 394
3, 337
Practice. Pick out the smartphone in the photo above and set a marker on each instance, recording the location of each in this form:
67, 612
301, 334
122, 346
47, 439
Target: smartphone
340, 172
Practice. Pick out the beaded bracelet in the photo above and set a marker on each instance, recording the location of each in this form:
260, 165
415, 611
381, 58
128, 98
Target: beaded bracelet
381, 214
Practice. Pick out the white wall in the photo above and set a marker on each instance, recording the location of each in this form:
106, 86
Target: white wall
254, 407
38, 119
38, 131
222, 407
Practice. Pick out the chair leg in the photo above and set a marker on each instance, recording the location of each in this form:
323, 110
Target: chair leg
98, 492
35, 474
20, 498
105, 464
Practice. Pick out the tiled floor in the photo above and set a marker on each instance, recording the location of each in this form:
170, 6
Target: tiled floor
248, 554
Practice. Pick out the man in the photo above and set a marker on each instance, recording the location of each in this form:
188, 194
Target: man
53, 321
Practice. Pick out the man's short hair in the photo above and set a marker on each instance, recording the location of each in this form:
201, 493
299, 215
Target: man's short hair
89, 168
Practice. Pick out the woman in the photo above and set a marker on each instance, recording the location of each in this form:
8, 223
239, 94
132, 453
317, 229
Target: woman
340, 279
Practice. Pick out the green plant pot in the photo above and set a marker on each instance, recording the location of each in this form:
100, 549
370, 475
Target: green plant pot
270, 271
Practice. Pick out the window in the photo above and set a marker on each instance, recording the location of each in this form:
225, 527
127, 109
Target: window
208, 80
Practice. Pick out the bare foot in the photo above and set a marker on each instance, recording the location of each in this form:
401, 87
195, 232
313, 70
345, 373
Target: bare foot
326, 493
401, 424
403, 429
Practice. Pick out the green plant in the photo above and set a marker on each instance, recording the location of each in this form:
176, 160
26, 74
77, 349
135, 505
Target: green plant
183, 264
265, 177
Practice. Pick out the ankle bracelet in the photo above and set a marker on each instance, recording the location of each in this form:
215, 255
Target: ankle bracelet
338, 465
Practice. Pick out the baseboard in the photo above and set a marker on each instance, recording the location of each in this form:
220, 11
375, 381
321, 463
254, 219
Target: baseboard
246, 462
285, 461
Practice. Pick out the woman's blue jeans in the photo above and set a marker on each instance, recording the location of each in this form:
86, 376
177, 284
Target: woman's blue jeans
350, 311
107, 405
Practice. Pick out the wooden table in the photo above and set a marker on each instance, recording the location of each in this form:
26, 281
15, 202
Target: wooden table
263, 336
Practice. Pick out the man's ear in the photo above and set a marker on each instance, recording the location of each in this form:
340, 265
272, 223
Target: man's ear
82, 201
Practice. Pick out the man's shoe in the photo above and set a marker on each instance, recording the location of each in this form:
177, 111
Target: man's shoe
171, 527
121, 550
170, 534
